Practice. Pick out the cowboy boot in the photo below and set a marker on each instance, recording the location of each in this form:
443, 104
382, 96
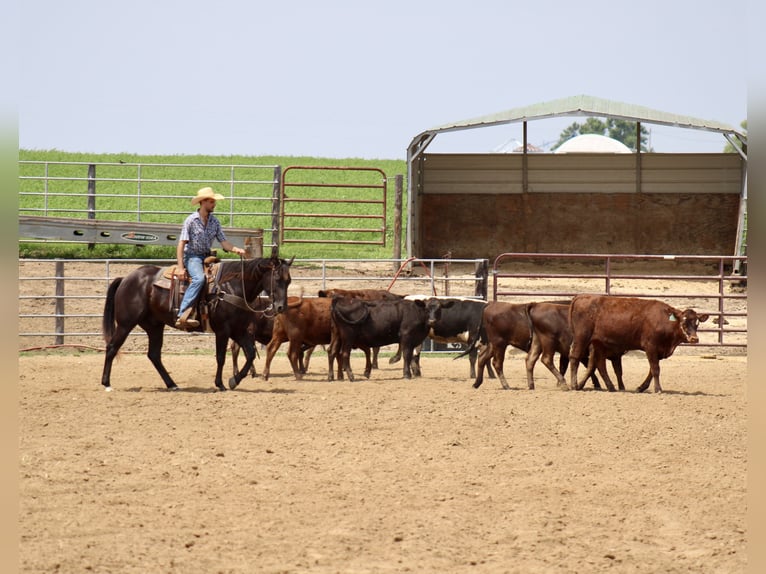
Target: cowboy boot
184, 322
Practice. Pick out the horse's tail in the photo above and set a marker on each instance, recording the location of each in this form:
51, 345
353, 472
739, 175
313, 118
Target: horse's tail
107, 322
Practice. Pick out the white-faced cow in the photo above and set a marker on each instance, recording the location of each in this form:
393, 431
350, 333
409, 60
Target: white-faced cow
603, 326
358, 323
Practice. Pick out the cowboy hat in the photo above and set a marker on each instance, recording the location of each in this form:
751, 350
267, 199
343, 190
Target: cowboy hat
206, 193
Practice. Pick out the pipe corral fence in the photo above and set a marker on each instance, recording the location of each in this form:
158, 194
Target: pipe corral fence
61, 301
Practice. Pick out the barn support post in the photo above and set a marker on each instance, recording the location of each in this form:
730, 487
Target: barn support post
276, 210
524, 163
741, 241
59, 307
398, 193
91, 196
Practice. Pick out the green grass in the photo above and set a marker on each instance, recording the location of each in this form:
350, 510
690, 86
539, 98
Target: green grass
168, 182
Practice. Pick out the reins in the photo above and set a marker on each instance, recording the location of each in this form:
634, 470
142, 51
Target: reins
242, 302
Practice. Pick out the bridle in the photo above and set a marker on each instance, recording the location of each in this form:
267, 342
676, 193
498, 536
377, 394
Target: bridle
268, 311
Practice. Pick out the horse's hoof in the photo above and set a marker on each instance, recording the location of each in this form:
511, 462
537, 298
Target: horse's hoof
232, 383
221, 388
108, 389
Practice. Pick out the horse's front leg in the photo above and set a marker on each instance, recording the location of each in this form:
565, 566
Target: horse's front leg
248, 348
221, 347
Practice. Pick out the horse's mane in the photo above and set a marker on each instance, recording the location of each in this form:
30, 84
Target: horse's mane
234, 269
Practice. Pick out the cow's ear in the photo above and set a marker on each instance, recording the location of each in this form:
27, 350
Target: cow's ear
672, 317
447, 304
322, 293
703, 318
420, 302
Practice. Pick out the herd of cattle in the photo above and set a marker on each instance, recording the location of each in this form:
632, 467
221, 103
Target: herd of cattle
589, 329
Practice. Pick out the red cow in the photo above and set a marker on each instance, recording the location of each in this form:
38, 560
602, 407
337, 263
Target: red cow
551, 334
604, 326
504, 324
304, 323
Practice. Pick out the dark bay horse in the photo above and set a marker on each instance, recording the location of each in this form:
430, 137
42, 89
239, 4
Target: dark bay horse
136, 300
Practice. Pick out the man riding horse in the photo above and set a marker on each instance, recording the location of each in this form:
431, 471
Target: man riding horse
197, 235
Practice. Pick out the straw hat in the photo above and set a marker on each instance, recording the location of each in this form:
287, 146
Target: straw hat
206, 193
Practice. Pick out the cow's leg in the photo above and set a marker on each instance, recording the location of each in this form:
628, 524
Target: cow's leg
547, 360
654, 365
535, 350
601, 366
271, 350
472, 354
407, 353
482, 360
294, 351
368, 362
617, 366
306, 358
375, 351
591, 368
577, 352
645, 385
498, 357
345, 357
415, 366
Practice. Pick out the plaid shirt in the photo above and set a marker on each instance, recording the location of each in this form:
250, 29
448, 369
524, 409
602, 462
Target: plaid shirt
200, 237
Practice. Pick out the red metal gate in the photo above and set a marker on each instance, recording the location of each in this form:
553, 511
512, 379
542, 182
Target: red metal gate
344, 205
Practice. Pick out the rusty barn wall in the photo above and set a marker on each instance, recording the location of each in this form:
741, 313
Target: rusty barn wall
475, 206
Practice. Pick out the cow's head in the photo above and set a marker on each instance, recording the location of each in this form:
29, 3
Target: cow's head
434, 307
689, 321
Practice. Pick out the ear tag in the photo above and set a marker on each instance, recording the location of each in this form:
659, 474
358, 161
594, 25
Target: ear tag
672, 317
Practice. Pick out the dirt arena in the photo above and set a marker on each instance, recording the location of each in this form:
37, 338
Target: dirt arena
379, 475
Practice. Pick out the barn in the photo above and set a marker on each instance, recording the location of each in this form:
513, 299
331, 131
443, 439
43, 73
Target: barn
484, 204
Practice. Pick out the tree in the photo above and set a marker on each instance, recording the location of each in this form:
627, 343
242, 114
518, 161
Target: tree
730, 148
621, 130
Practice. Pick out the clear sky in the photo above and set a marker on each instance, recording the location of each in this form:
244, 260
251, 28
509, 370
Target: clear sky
348, 78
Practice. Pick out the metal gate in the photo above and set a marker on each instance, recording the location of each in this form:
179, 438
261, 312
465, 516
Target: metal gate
341, 205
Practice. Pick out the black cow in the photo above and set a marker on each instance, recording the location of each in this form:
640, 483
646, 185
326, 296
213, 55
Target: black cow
358, 323
454, 320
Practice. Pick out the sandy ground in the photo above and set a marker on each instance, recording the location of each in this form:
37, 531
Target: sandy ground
380, 475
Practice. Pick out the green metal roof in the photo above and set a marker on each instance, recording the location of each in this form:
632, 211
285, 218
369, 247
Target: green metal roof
586, 106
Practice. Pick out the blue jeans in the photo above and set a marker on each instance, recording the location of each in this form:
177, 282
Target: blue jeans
195, 268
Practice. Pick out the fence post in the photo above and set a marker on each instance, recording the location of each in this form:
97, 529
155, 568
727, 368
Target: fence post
399, 186
254, 245
482, 275
91, 196
276, 201
59, 303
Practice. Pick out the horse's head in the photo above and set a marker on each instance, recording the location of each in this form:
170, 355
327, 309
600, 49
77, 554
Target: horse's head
276, 280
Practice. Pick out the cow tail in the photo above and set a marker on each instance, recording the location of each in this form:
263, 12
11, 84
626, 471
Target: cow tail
475, 336
529, 324
107, 322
